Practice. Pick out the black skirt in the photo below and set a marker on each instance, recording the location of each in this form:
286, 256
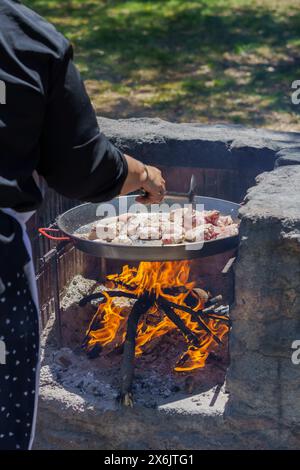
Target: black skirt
19, 341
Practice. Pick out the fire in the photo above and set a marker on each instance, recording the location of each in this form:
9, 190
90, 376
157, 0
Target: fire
160, 280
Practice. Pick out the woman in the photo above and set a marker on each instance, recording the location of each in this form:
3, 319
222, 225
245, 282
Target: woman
47, 129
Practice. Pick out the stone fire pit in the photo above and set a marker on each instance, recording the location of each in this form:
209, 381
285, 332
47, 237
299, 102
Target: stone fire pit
256, 402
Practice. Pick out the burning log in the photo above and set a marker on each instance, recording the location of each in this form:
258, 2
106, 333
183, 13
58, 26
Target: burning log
218, 317
94, 350
127, 369
190, 336
174, 290
99, 296
196, 317
94, 326
122, 284
85, 300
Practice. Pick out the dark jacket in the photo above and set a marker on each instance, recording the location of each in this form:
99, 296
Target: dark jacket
47, 122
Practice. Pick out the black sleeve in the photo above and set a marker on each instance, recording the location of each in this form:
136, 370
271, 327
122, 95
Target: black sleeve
77, 160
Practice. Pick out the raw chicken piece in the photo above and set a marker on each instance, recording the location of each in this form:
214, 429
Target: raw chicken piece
209, 232
211, 217
149, 232
122, 240
194, 220
107, 232
92, 235
190, 235
186, 217
224, 220
172, 237
230, 230
218, 231
167, 226
199, 234
132, 227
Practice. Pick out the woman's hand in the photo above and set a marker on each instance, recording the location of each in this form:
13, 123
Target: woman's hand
144, 177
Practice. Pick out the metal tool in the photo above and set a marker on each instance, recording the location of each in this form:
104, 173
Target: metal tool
190, 195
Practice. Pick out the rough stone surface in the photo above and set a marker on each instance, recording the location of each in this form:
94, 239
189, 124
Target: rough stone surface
73, 419
262, 380
78, 423
192, 144
288, 156
225, 158
217, 146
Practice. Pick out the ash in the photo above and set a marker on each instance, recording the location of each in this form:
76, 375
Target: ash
155, 383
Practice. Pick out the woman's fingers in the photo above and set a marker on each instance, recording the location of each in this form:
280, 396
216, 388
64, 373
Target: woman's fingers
147, 177
154, 185
149, 199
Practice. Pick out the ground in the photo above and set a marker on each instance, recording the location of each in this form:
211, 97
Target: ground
186, 60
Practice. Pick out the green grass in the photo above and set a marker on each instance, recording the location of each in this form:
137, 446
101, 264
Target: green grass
197, 60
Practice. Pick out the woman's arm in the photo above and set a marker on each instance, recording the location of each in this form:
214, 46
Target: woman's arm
144, 177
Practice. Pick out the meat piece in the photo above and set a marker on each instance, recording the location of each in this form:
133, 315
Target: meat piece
230, 230
132, 226
186, 217
170, 227
172, 237
193, 220
190, 235
122, 240
107, 232
211, 217
224, 220
218, 231
209, 232
154, 218
93, 234
177, 215
133, 223
149, 232
201, 233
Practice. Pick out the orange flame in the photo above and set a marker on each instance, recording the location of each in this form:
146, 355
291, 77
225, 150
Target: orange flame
155, 278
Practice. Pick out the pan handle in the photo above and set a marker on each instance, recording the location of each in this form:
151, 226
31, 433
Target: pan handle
44, 231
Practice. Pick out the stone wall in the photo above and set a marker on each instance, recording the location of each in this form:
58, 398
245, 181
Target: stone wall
263, 383
224, 159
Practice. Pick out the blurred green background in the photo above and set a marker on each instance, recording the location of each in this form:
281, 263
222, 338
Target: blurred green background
199, 60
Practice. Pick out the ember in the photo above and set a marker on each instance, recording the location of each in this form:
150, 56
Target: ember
165, 300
